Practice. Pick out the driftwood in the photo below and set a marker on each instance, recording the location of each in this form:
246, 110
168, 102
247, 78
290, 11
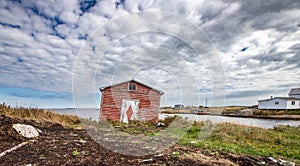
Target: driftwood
14, 148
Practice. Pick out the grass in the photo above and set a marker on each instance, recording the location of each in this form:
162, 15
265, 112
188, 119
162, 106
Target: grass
294, 112
39, 115
232, 109
75, 153
137, 127
276, 112
281, 141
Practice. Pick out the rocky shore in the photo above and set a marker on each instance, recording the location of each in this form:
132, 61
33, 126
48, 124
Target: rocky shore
243, 112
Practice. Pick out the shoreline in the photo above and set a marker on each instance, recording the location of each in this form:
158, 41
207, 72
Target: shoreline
278, 117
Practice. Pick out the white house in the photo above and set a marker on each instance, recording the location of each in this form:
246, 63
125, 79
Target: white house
282, 103
295, 93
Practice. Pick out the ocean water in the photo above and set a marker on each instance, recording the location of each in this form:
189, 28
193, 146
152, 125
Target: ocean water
87, 113
255, 122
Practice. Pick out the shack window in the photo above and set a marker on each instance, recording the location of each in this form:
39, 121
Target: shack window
276, 102
293, 102
131, 87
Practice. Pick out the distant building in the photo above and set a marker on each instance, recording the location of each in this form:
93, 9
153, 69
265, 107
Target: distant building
178, 106
295, 92
282, 103
130, 100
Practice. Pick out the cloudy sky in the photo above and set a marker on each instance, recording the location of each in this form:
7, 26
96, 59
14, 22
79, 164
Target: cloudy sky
49, 49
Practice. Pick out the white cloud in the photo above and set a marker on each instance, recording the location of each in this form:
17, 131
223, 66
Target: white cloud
40, 41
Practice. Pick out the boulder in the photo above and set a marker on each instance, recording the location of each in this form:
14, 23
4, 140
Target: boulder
160, 124
27, 131
286, 163
246, 112
272, 159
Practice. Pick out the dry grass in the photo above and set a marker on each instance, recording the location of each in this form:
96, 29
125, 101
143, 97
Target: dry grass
213, 110
177, 111
39, 115
233, 109
206, 160
267, 113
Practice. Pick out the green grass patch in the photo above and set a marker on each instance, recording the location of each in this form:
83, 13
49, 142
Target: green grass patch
136, 127
276, 112
281, 141
293, 112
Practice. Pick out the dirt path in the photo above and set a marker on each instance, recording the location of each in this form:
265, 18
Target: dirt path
58, 145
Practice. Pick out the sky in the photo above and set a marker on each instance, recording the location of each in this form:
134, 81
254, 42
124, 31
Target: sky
56, 54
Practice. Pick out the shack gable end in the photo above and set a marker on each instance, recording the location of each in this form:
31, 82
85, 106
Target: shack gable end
113, 96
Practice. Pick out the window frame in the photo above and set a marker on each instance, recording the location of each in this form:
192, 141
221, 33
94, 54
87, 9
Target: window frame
276, 102
132, 85
293, 102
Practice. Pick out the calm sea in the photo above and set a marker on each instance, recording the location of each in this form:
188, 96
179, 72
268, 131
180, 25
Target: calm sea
87, 113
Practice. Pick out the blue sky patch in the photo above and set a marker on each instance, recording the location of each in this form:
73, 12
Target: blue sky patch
86, 5
10, 25
244, 49
30, 93
20, 60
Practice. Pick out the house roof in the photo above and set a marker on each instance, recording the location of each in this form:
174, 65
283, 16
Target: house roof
294, 91
285, 98
132, 80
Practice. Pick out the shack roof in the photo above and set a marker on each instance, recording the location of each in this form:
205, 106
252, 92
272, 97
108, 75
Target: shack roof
132, 80
285, 98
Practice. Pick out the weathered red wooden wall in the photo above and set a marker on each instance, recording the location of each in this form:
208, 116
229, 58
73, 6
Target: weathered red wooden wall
112, 97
